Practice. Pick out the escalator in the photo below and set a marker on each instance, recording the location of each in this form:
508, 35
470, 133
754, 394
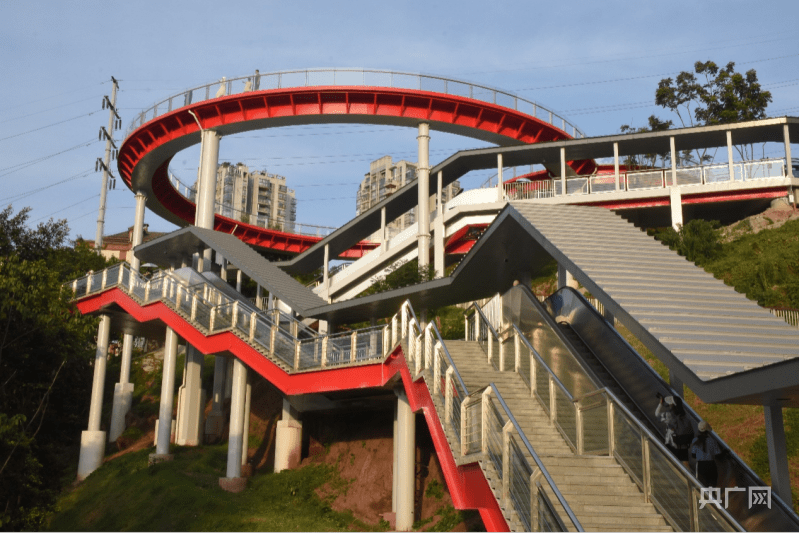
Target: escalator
607, 360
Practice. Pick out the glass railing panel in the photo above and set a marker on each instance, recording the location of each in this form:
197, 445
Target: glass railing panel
670, 490
645, 180
509, 351
202, 314
474, 425
96, 281
686, 176
455, 415
566, 416
112, 278
339, 349
524, 363
126, 273
137, 288
284, 348
80, 286
223, 317
542, 385
764, 169
594, 412
604, 183
494, 436
627, 445
519, 472
310, 354
243, 321
263, 331
710, 519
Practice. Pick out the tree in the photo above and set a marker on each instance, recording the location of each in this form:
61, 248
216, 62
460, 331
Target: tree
45, 365
646, 160
721, 96
698, 240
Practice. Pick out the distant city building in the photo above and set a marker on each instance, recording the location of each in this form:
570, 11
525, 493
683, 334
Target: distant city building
256, 197
384, 179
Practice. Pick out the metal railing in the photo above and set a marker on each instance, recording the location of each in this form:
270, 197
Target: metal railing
482, 424
791, 316
653, 179
597, 423
253, 219
273, 332
357, 77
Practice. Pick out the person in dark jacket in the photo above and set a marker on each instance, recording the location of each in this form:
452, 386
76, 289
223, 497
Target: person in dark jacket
679, 433
705, 449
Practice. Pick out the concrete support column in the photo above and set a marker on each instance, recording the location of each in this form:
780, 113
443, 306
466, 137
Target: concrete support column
616, 164
792, 193
438, 234
245, 441
405, 473
215, 421
423, 185
326, 269
673, 161
777, 452
729, 155
238, 281
191, 401
288, 439
675, 200
164, 428
237, 404
676, 383
500, 189
209, 161
394, 471
563, 171
123, 391
383, 233
92, 441
565, 278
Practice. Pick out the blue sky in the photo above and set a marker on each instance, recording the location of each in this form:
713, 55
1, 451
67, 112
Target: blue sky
597, 63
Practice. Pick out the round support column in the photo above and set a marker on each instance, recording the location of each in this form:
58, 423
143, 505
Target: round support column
423, 185
233, 482
406, 463
288, 439
164, 431
92, 441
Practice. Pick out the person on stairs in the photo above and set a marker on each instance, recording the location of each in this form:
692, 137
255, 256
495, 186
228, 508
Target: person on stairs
705, 449
679, 432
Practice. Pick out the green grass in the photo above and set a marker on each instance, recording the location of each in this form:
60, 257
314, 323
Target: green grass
183, 495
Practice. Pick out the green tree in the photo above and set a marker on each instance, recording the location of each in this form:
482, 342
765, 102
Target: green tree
45, 356
646, 160
717, 96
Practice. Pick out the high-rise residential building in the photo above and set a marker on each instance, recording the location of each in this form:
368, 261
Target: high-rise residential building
256, 197
383, 179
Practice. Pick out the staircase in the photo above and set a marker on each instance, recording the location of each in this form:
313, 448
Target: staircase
598, 490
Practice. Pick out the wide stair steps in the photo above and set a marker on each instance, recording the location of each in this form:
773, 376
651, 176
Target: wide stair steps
599, 491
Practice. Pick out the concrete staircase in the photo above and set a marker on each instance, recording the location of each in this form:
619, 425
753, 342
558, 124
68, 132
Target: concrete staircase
599, 491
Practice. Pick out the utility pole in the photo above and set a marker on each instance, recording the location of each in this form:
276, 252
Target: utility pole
114, 122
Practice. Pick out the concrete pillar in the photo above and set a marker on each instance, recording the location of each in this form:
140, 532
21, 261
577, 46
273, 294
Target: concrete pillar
238, 281
438, 234
673, 153
500, 189
423, 185
164, 430
675, 200
245, 431
395, 476
191, 401
123, 391
729, 155
777, 452
563, 171
616, 164
215, 421
288, 439
326, 269
228, 388
237, 404
676, 383
786, 137
209, 161
406, 463
383, 234
92, 441
565, 278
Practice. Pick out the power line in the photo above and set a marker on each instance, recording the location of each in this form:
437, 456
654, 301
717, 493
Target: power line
9, 170
31, 192
49, 125
69, 206
49, 109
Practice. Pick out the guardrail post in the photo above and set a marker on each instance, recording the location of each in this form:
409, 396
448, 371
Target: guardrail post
404, 323
465, 328
578, 418
296, 353
394, 330
647, 472
517, 351
272, 335
75, 288
476, 326
553, 404
121, 272
429, 354
501, 346
448, 396
211, 322
386, 338
490, 347
464, 427
324, 351
252, 326
89, 281
611, 430
235, 319
353, 346
105, 278
484, 419
533, 383
506, 429
147, 291
534, 512
193, 307
437, 368
418, 342
165, 287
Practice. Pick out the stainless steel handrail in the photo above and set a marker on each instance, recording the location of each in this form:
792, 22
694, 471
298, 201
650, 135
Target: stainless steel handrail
284, 80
